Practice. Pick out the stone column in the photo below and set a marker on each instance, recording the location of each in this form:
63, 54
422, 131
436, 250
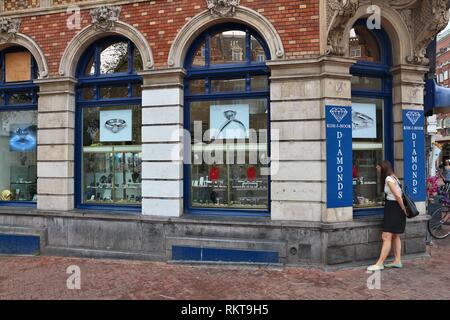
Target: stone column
408, 93
337, 91
299, 92
55, 154
162, 124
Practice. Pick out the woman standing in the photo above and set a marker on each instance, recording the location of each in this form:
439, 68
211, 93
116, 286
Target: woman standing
394, 218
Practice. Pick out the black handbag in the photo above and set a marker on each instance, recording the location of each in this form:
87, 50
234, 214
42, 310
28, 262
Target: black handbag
411, 209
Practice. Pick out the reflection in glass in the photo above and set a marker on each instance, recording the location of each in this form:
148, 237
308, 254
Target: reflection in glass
366, 83
20, 98
90, 68
199, 57
18, 176
368, 151
88, 93
259, 83
257, 51
137, 60
111, 170
228, 47
238, 182
113, 92
227, 85
197, 86
114, 58
363, 45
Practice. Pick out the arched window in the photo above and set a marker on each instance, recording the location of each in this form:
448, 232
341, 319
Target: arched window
18, 126
227, 113
108, 126
371, 115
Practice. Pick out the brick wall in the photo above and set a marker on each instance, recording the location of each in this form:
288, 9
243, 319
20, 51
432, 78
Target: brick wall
12, 5
296, 21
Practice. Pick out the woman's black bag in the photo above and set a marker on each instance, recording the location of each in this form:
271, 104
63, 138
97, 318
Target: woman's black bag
410, 206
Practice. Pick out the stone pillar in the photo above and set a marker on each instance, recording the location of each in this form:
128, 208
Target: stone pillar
55, 154
162, 124
299, 92
337, 91
408, 93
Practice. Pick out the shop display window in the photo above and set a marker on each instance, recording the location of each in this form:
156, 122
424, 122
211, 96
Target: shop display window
112, 155
371, 115
18, 127
109, 159
18, 141
226, 112
238, 183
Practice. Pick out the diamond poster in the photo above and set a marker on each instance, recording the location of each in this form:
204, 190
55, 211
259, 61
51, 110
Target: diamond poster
115, 125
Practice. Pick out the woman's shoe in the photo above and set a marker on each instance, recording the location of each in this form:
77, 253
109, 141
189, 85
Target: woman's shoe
394, 265
375, 268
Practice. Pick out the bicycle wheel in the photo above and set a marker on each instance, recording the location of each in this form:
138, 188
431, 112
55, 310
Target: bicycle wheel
439, 223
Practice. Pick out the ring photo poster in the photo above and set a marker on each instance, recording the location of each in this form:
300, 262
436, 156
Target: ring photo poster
229, 121
364, 120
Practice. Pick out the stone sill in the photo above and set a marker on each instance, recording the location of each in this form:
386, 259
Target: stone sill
185, 219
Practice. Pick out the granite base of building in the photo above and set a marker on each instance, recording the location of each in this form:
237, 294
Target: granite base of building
128, 236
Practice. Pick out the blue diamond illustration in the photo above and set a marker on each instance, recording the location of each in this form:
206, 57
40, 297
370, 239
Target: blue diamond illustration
338, 113
413, 116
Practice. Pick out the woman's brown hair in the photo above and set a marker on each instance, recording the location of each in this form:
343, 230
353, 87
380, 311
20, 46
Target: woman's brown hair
386, 170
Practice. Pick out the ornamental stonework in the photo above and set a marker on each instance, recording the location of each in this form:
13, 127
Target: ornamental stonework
104, 17
13, 5
424, 20
222, 8
8, 28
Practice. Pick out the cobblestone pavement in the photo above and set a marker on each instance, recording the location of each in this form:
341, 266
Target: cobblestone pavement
45, 278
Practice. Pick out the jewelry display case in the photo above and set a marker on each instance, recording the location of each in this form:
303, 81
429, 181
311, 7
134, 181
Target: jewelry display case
23, 182
112, 174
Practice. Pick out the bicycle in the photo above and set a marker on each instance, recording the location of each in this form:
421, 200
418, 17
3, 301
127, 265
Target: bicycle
439, 223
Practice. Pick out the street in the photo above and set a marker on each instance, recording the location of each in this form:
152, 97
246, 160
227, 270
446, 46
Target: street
46, 278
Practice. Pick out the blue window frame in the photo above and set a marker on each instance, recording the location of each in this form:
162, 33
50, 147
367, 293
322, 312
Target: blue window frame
19, 96
380, 90
108, 81
223, 71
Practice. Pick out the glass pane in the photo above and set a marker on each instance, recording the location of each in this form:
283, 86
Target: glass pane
363, 45
90, 68
114, 58
197, 86
227, 85
199, 57
137, 90
366, 83
17, 66
18, 142
88, 93
259, 83
113, 92
137, 61
368, 151
257, 51
20, 98
228, 47
2, 99
112, 155
229, 165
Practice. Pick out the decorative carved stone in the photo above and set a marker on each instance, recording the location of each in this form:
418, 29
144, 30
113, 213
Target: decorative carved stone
8, 28
429, 18
222, 8
338, 14
424, 20
103, 17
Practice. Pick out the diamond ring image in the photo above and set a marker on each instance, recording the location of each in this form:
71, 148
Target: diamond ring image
361, 121
115, 125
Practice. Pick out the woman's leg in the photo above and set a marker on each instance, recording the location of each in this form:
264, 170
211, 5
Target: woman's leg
386, 249
397, 246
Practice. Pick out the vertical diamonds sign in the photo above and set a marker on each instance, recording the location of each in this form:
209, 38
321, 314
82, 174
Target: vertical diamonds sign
339, 156
414, 154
